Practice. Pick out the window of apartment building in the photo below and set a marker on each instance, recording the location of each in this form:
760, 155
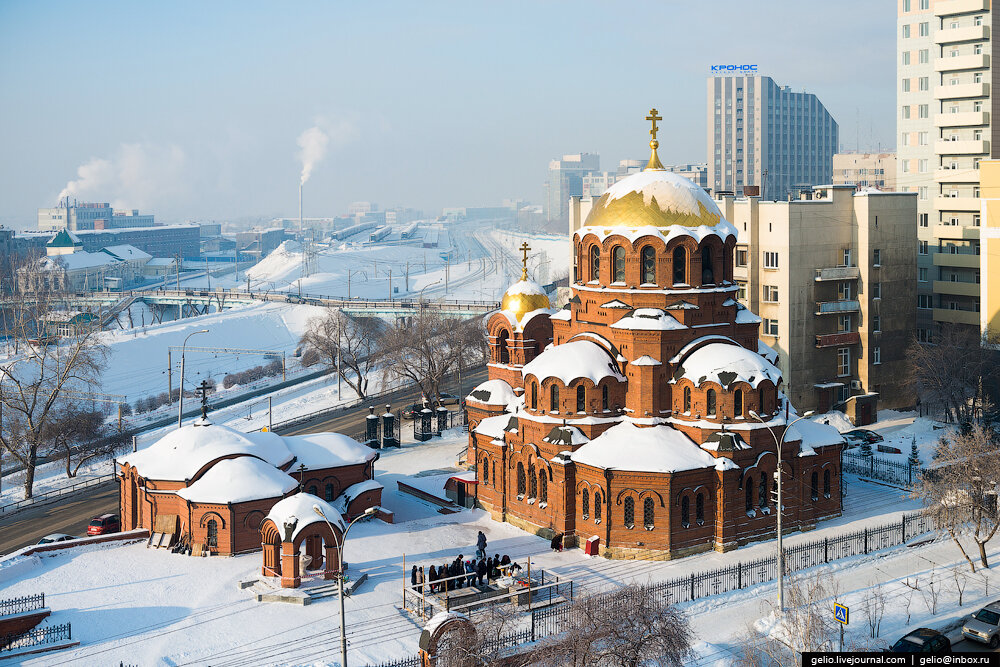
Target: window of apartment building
924, 301
770, 260
923, 139
923, 111
904, 85
876, 323
977, 20
924, 56
771, 293
922, 275
844, 291
904, 166
876, 290
924, 219
741, 257
922, 166
906, 31
922, 247
905, 112
925, 4
847, 257
924, 335
923, 192
843, 361
953, 220
906, 5
876, 356
924, 29
741, 291
975, 219
977, 49
770, 327
877, 257
924, 83
844, 324
906, 57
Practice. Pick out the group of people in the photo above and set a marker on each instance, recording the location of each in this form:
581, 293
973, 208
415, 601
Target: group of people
448, 576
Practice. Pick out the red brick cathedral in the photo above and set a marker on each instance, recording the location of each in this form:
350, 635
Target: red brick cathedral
646, 411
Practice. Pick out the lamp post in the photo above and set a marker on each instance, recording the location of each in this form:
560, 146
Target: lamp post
420, 297
340, 575
180, 403
778, 509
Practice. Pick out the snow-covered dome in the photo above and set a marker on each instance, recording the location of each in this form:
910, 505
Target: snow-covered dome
523, 297
327, 450
573, 360
654, 197
239, 480
725, 364
493, 392
299, 509
644, 449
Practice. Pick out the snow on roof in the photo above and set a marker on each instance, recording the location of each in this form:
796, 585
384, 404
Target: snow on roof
353, 491
725, 441
729, 302
126, 252
723, 230
161, 261
676, 359
744, 316
643, 449
725, 364
492, 392
573, 360
493, 427
566, 435
440, 618
836, 418
646, 360
299, 508
723, 463
648, 319
180, 454
563, 314
239, 480
766, 351
615, 304
813, 434
525, 287
326, 450
78, 261
682, 305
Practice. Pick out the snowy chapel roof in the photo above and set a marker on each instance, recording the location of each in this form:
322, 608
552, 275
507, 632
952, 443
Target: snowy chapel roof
813, 434
239, 480
299, 508
648, 319
327, 450
493, 392
573, 360
643, 449
725, 364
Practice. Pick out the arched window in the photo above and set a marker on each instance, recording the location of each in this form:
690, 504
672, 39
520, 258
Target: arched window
647, 513
313, 490
212, 537
554, 398
762, 491
329, 492
649, 265
502, 345
534, 396
486, 470
595, 263
687, 399
629, 512
710, 400
585, 504
604, 398
543, 487
685, 512
699, 509
738, 403
749, 493
532, 482
760, 401
814, 486
597, 506
826, 483
618, 264
680, 266
520, 479
707, 274
581, 398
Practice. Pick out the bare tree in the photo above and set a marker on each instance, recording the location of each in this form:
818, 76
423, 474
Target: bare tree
489, 645
873, 607
353, 340
959, 488
428, 347
33, 386
83, 435
629, 626
960, 583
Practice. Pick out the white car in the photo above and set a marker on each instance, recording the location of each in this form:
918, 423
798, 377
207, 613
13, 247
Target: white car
56, 537
984, 626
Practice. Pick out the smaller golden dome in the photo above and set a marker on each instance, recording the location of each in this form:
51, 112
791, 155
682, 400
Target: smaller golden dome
523, 297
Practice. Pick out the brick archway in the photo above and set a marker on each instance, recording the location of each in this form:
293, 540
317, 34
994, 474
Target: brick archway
281, 553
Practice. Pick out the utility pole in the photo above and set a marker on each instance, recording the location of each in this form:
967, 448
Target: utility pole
270, 424
406, 286
390, 283
447, 266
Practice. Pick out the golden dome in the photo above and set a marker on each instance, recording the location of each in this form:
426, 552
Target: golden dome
523, 297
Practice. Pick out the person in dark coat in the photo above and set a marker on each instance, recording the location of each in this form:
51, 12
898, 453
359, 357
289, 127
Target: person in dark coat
432, 577
413, 576
481, 571
470, 574
481, 543
556, 543
494, 569
420, 579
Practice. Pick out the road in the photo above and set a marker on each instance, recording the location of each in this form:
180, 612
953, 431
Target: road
72, 514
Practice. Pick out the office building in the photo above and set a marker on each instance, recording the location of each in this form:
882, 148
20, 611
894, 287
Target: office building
832, 276
80, 216
865, 170
565, 181
944, 129
159, 241
989, 287
761, 134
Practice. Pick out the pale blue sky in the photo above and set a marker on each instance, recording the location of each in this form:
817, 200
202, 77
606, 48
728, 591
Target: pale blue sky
193, 109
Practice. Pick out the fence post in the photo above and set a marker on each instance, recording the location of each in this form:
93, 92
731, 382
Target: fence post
904, 529
739, 574
692, 585
866, 540
533, 625
826, 550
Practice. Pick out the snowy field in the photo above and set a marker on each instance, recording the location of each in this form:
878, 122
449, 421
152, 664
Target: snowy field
127, 603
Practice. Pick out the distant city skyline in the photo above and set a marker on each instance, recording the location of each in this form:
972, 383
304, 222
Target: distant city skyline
193, 111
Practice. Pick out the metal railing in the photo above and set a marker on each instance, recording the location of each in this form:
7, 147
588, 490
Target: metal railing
881, 469
47, 496
21, 604
50, 634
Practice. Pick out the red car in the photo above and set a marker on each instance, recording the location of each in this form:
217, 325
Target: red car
104, 524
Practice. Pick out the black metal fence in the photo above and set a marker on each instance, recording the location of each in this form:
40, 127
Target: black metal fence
50, 634
412, 661
22, 604
881, 469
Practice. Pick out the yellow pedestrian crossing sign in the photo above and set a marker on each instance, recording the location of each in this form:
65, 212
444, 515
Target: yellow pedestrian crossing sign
841, 613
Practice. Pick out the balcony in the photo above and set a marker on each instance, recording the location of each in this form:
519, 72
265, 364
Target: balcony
956, 316
958, 63
959, 232
967, 147
962, 119
838, 273
835, 307
838, 339
955, 7
961, 91
966, 175
967, 204
970, 33
961, 261
956, 288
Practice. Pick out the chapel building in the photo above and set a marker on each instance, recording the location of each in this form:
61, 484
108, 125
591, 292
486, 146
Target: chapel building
646, 412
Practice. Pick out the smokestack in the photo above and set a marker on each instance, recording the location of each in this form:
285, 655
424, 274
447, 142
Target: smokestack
300, 209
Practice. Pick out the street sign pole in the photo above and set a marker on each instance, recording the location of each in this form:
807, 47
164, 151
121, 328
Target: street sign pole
842, 614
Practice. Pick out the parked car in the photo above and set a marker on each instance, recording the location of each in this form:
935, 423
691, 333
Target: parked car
411, 411
104, 524
865, 435
984, 626
922, 640
56, 537
449, 399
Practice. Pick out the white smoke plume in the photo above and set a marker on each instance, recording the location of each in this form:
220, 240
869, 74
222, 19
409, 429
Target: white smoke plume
312, 147
137, 176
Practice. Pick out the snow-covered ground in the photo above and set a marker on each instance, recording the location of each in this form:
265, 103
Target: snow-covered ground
130, 603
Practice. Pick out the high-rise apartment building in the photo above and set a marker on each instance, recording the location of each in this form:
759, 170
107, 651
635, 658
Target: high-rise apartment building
832, 276
565, 181
944, 126
84, 216
989, 290
872, 170
760, 134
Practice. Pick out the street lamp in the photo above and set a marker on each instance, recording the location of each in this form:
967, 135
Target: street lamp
180, 404
340, 575
420, 297
778, 509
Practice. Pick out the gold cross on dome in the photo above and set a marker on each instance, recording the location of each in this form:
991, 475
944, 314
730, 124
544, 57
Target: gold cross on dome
653, 117
524, 261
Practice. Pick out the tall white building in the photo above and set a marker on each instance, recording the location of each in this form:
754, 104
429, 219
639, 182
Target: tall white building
765, 135
943, 119
566, 180
82, 216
